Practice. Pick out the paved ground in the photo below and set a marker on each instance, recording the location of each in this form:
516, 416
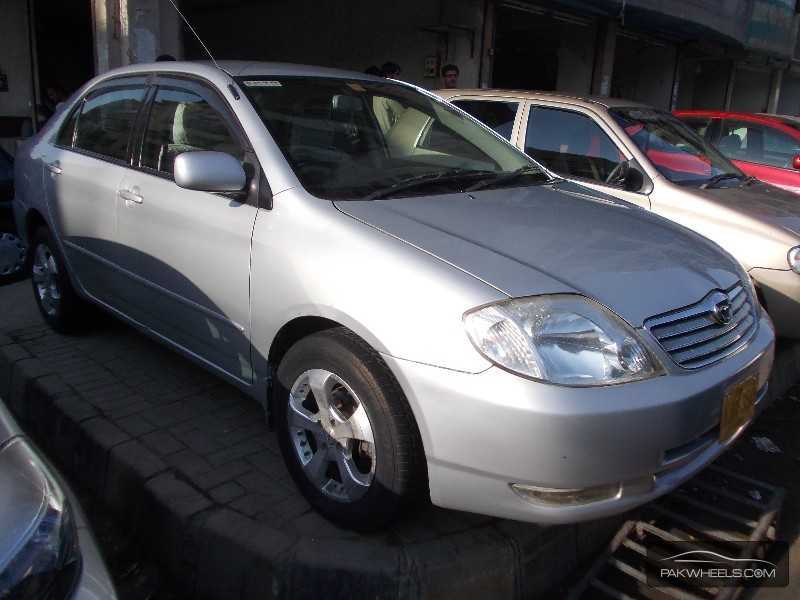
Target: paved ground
203, 434
203, 453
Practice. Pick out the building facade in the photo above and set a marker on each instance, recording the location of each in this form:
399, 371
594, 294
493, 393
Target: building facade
720, 54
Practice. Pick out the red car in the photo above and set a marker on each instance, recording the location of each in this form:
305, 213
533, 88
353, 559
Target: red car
764, 146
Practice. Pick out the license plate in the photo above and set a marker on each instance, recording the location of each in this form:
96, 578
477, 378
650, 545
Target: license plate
738, 407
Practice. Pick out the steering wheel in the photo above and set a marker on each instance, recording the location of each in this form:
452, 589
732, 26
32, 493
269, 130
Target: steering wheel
619, 170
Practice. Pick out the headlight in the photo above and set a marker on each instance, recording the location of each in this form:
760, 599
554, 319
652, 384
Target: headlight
39, 556
794, 259
564, 339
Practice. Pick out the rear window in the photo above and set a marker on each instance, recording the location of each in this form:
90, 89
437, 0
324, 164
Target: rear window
106, 120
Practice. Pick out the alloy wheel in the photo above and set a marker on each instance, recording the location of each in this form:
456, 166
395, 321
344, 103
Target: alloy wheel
331, 434
45, 279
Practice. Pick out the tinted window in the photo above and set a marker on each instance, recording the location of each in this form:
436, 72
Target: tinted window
183, 121
106, 121
570, 144
754, 142
497, 115
349, 139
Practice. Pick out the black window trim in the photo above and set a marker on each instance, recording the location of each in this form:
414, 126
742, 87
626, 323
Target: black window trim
647, 185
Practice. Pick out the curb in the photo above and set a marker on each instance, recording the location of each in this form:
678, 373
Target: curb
215, 552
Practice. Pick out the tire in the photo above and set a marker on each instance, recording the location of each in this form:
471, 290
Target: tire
372, 487
59, 304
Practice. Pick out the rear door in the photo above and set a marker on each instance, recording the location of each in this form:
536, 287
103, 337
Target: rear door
574, 144
187, 253
84, 168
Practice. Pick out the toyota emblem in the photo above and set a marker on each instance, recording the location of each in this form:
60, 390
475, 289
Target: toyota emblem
722, 312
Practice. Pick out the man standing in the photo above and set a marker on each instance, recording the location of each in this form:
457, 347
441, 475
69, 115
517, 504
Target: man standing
450, 75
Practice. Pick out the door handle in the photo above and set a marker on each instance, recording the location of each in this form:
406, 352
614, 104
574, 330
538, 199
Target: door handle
131, 195
54, 167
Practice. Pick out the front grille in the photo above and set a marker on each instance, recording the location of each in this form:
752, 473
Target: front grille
694, 337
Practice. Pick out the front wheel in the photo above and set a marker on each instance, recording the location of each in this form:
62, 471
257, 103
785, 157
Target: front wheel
58, 303
346, 431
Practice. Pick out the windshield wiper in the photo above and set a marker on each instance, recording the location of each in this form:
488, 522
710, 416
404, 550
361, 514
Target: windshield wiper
422, 179
501, 178
719, 178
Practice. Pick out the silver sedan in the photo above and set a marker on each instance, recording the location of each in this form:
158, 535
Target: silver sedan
423, 309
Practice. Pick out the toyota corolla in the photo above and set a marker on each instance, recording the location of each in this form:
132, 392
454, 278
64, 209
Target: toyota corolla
421, 307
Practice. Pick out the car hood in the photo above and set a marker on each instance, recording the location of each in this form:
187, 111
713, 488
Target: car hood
559, 239
767, 203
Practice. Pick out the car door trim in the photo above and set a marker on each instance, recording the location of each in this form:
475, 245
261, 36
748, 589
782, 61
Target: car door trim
198, 307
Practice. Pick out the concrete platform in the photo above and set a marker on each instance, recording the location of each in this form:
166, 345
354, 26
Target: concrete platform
189, 463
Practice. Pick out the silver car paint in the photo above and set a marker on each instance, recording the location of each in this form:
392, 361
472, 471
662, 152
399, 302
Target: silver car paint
94, 581
757, 224
400, 274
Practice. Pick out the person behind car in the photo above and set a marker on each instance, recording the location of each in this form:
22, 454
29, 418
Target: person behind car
450, 75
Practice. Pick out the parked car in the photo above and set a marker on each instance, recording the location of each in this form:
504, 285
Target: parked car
764, 146
423, 309
650, 158
47, 549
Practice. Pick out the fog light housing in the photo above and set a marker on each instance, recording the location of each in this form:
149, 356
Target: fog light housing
566, 496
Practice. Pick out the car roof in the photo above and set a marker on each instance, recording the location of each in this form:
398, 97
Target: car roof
239, 68
585, 100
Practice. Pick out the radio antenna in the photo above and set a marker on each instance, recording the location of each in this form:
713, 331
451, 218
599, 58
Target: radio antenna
189, 25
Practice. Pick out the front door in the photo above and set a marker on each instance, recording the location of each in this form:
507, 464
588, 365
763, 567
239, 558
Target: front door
187, 253
572, 144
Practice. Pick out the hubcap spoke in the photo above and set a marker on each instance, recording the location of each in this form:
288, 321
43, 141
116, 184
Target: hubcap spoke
319, 382
300, 419
356, 427
316, 467
354, 482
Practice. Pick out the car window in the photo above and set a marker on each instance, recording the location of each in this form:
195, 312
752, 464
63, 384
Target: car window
496, 114
699, 124
351, 139
183, 121
571, 144
758, 143
106, 120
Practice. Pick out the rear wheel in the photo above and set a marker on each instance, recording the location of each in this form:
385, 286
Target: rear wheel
60, 306
346, 431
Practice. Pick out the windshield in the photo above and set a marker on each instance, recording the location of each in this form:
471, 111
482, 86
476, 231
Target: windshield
673, 147
355, 139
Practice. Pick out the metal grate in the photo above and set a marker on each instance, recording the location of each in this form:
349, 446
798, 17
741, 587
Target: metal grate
705, 332
718, 507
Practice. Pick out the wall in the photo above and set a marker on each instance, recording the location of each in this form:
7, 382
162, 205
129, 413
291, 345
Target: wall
710, 84
351, 35
750, 90
15, 59
575, 59
643, 71
789, 101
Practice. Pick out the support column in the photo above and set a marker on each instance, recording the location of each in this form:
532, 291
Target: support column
604, 59
775, 90
487, 45
729, 87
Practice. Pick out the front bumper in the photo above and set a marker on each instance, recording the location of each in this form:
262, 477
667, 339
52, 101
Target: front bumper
483, 432
781, 290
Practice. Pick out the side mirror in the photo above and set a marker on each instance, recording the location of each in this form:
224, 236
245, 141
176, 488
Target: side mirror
634, 180
209, 172
796, 162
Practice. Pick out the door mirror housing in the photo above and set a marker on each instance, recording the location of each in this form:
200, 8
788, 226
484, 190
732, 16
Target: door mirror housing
796, 162
207, 171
